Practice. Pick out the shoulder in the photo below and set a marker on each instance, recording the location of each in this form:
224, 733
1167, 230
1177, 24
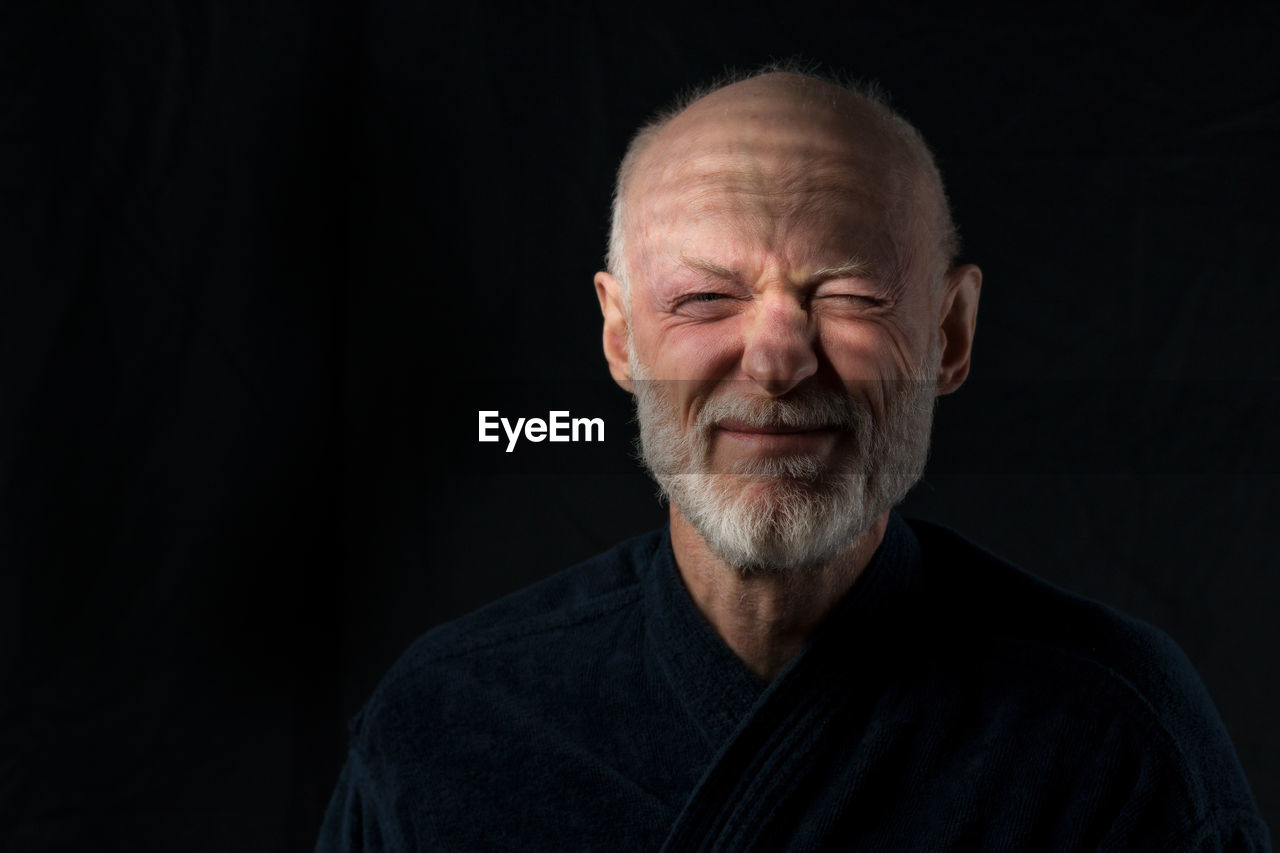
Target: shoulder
1010, 608
522, 697
1107, 671
514, 640
473, 705
578, 594
1009, 605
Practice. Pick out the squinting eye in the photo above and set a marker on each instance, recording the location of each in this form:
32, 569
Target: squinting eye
702, 298
706, 305
855, 298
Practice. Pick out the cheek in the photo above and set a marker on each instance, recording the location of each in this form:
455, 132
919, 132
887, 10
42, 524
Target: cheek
696, 351
864, 351
687, 362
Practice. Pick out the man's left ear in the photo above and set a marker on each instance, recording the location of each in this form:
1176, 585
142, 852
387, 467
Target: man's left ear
957, 320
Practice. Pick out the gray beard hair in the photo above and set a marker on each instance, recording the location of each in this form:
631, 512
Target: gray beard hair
780, 514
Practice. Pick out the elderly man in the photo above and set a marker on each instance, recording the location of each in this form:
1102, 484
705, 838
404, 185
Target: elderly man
790, 664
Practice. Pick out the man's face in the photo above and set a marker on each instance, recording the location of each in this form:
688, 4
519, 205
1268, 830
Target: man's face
784, 336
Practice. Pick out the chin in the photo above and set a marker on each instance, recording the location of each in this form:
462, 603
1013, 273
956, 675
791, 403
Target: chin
771, 525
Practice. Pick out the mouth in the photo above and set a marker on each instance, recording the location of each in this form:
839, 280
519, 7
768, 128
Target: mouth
777, 439
745, 428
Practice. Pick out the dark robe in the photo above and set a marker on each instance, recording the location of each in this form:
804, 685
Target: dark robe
951, 701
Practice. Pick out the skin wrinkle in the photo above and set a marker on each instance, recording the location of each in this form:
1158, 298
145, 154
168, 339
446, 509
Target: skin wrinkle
852, 268
695, 201
883, 134
744, 200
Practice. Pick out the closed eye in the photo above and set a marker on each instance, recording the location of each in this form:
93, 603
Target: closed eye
854, 298
702, 297
707, 305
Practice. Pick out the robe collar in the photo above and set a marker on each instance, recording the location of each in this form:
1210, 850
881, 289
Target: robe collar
715, 687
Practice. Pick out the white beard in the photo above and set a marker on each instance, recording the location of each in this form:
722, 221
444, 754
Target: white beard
776, 514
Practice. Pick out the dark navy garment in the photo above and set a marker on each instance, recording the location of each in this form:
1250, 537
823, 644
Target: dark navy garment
950, 702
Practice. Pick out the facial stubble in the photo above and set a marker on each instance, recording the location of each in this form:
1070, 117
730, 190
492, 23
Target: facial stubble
795, 512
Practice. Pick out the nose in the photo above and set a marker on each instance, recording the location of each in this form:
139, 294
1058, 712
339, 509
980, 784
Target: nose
778, 352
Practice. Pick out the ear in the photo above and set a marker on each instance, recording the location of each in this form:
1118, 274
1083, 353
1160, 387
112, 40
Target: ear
609, 291
957, 319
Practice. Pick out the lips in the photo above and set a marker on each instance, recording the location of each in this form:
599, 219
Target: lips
757, 429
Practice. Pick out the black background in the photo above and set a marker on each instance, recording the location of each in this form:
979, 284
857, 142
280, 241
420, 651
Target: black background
260, 264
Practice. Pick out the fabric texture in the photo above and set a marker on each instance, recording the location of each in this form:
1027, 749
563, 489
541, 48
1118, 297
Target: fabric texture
951, 701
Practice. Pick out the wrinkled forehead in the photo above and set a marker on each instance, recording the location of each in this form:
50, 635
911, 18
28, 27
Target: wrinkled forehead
774, 171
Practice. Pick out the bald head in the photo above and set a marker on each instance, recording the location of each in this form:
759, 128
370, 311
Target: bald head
792, 140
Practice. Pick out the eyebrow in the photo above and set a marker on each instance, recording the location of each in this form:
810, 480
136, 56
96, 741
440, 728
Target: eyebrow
704, 266
852, 268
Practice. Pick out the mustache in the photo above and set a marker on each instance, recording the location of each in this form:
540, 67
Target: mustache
811, 408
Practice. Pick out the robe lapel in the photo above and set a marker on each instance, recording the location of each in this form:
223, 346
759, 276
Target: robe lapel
711, 683
747, 799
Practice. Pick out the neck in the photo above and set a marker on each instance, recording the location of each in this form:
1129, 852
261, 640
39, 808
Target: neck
766, 618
